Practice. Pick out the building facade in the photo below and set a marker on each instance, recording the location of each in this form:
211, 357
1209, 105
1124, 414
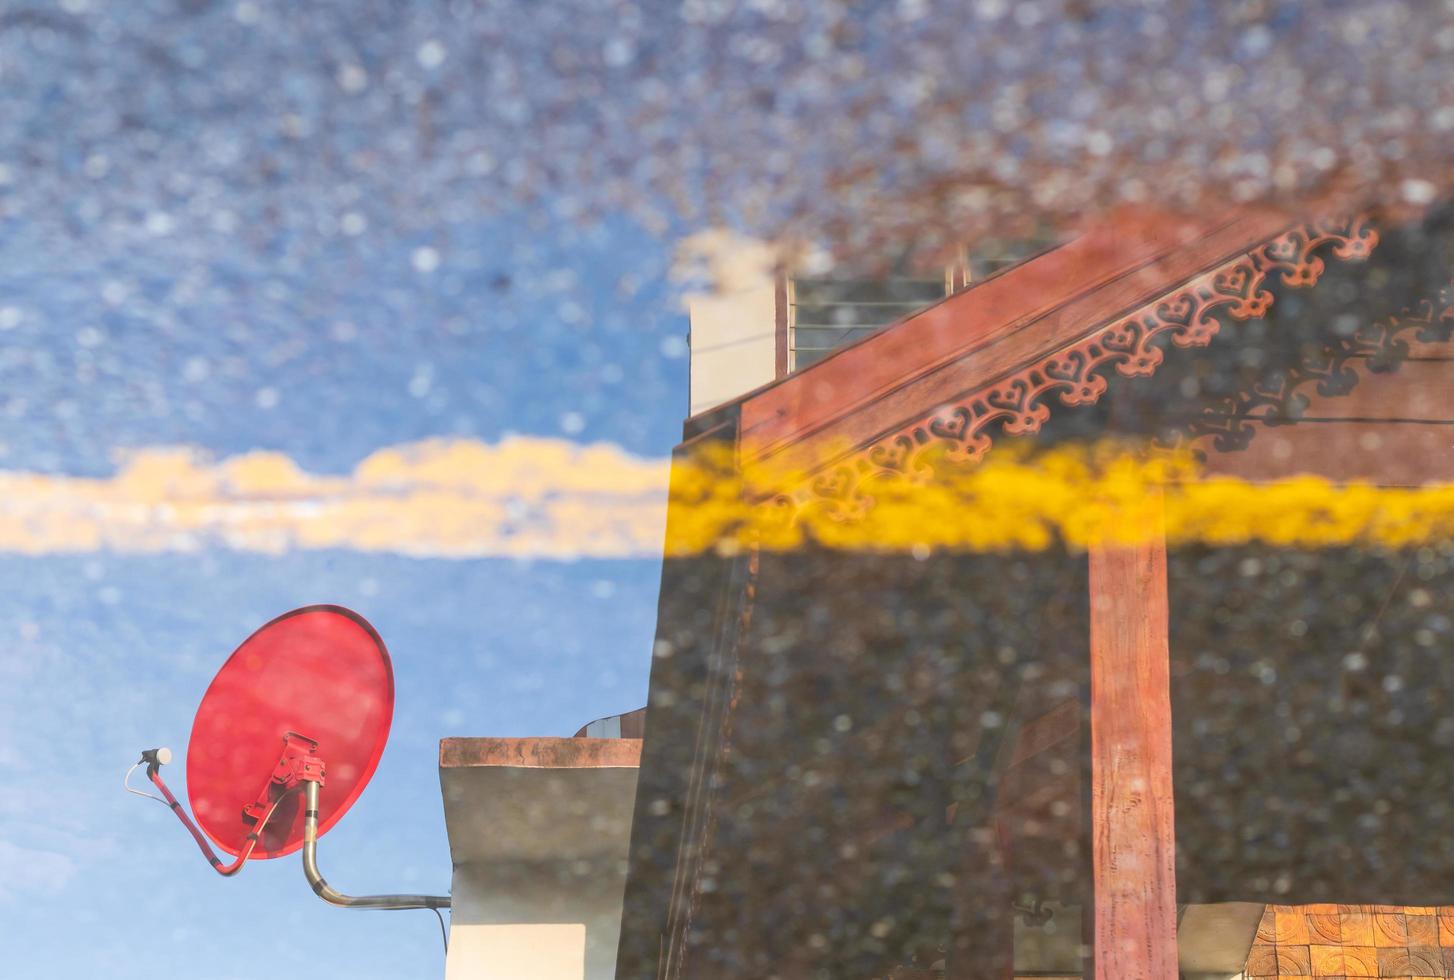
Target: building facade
1209, 740
1062, 760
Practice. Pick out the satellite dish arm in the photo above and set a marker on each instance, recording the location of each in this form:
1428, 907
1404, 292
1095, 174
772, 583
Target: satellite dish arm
226, 870
295, 772
333, 896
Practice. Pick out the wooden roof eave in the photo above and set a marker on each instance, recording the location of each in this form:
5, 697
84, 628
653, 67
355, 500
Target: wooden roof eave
998, 356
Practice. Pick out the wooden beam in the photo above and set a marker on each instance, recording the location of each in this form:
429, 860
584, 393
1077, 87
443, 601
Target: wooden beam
1132, 823
1387, 454
994, 328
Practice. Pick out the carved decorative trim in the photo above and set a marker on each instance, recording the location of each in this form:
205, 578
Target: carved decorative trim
962, 431
1229, 424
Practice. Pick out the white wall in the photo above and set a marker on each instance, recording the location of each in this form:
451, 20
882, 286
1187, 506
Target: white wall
536, 921
734, 321
512, 952
539, 831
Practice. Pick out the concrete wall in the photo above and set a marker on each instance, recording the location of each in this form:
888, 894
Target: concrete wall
734, 320
538, 833
536, 921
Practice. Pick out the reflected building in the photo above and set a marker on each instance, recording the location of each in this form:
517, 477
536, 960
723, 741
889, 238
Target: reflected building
1211, 755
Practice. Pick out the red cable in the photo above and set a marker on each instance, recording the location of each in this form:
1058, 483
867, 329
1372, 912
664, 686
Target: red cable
228, 870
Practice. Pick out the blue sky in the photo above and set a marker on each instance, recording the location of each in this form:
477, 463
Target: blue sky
104, 653
114, 342
109, 654
155, 292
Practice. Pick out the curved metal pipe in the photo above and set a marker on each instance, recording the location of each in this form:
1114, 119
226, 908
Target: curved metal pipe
333, 896
225, 870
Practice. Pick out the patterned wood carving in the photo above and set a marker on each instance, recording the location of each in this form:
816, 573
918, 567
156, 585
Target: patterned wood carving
1382, 345
962, 430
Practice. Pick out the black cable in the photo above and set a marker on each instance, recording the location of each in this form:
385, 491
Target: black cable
442, 933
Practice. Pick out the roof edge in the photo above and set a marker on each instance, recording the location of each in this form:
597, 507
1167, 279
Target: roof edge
540, 753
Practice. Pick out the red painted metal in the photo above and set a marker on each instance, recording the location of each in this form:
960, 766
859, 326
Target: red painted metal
226, 870
319, 670
299, 763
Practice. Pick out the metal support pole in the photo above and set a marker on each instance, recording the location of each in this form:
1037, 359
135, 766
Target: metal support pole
332, 896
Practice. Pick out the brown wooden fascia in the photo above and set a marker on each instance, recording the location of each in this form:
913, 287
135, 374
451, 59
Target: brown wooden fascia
1007, 376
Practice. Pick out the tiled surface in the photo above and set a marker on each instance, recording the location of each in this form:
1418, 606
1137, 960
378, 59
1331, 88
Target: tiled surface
1343, 942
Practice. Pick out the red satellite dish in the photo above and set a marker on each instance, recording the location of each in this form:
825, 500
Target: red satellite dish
286, 738
320, 672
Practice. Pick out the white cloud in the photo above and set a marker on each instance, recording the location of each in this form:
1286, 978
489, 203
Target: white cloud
523, 497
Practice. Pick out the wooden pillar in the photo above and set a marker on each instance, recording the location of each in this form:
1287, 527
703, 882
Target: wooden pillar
1132, 824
